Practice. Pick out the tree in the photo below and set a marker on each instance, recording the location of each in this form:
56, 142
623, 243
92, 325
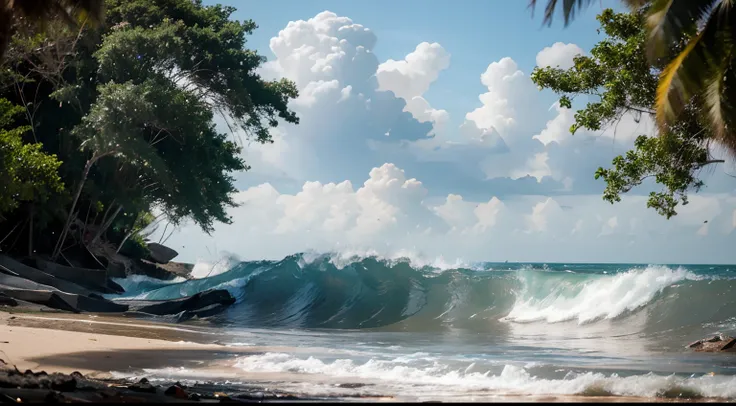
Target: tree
701, 68
28, 174
620, 80
162, 70
39, 12
131, 109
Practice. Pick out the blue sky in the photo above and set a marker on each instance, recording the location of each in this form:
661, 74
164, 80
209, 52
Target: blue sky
475, 33
421, 135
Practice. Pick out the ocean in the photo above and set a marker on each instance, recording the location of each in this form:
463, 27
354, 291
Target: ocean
417, 330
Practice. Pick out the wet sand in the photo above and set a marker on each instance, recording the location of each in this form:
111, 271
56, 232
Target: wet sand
97, 345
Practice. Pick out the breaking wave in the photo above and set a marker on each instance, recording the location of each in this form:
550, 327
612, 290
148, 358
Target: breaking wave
350, 292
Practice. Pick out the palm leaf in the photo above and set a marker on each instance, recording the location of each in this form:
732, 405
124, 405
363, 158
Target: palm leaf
672, 94
570, 7
672, 21
74, 11
701, 70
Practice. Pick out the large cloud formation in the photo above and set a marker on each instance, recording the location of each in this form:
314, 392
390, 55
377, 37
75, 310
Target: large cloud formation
504, 181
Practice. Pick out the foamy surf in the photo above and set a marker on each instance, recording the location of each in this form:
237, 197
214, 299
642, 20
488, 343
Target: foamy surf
400, 378
512, 379
595, 298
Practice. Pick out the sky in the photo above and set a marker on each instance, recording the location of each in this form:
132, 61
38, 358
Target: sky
422, 135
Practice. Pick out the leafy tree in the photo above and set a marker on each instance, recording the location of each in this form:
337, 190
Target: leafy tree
40, 12
162, 71
28, 174
130, 110
618, 79
696, 38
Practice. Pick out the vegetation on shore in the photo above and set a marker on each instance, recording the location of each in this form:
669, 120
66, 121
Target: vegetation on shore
106, 128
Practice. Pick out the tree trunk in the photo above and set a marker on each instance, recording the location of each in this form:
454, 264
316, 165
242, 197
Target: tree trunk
129, 234
106, 225
104, 216
65, 230
6, 27
123, 242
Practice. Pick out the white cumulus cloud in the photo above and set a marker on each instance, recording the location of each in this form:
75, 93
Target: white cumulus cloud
559, 55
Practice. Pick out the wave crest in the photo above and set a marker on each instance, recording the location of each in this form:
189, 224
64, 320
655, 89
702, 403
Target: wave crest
407, 294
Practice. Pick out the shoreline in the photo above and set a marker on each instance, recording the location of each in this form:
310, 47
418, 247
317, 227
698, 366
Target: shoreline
98, 346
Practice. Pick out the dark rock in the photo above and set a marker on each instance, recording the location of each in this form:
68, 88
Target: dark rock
41, 380
143, 386
160, 253
198, 301
43, 297
6, 300
93, 279
55, 299
116, 288
63, 383
165, 272
194, 396
21, 270
206, 312
177, 392
717, 343
116, 270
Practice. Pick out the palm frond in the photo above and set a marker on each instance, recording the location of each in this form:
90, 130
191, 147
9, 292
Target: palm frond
672, 21
701, 70
571, 7
74, 11
672, 93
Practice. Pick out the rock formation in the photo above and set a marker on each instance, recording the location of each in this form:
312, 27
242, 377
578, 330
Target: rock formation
717, 343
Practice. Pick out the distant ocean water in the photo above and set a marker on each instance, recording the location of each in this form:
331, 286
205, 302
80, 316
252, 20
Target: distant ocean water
427, 330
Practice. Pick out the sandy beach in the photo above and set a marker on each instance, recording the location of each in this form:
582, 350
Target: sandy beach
95, 346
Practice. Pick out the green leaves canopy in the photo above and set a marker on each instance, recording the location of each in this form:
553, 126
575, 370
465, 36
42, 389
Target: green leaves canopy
619, 79
28, 174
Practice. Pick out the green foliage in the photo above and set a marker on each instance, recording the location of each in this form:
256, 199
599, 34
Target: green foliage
135, 248
201, 49
129, 108
28, 174
696, 39
617, 78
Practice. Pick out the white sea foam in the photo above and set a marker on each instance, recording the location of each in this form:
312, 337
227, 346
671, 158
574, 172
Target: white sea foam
590, 299
512, 380
205, 269
346, 257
